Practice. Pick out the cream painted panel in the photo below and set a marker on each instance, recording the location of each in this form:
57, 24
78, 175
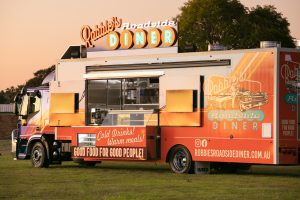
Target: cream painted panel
74, 69
70, 87
187, 79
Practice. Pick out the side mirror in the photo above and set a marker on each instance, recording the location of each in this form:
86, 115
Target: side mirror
32, 100
18, 101
23, 91
37, 93
16, 109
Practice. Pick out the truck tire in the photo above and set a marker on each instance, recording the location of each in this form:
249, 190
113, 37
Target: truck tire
180, 160
39, 156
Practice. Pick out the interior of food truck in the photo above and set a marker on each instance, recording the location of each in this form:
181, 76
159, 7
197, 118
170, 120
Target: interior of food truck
127, 101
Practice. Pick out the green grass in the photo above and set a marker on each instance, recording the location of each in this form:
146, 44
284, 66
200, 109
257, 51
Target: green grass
131, 180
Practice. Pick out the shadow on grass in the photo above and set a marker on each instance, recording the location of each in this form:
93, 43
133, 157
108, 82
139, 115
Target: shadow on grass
262, 170
140, 167
275, 174
271, 171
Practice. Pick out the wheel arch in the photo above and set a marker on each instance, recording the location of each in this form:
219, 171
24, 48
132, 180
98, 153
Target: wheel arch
45, 139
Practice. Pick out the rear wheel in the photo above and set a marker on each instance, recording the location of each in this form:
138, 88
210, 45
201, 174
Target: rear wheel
38, 156
180, 160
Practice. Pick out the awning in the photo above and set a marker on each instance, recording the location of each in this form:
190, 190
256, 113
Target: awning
122, 74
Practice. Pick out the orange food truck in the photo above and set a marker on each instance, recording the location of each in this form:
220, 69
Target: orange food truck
141, 101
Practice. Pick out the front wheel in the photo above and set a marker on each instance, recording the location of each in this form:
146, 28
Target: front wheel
180, 160
38, 156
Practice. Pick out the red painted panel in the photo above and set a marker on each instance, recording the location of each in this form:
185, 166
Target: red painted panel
288, 107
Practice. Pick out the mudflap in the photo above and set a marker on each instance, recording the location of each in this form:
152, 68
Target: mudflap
202, 167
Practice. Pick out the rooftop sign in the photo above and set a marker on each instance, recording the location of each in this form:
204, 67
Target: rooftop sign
114, 34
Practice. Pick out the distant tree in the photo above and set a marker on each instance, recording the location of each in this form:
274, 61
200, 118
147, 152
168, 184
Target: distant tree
203, 22
266, 24
8, 95
39, 77
2, 97
230, 23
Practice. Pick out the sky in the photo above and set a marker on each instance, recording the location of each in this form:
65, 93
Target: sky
34, 34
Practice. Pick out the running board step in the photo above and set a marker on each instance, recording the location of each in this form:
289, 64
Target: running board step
21, 156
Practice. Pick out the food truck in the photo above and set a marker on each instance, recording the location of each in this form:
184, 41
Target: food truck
138, 100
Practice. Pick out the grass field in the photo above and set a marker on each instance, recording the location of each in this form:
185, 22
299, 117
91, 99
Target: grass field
127, 180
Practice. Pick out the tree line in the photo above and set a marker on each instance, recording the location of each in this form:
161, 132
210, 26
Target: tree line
230, 23
8, 95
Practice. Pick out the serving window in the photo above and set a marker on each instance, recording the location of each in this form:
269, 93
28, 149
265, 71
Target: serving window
104, 96
140, 93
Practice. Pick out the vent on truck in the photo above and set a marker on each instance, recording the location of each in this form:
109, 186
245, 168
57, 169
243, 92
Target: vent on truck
269, 44
75, 52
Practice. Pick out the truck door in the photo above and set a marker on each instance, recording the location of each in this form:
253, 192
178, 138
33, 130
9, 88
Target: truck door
28, 106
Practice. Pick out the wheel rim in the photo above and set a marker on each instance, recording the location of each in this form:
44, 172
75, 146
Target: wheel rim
180, 161
37, 156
